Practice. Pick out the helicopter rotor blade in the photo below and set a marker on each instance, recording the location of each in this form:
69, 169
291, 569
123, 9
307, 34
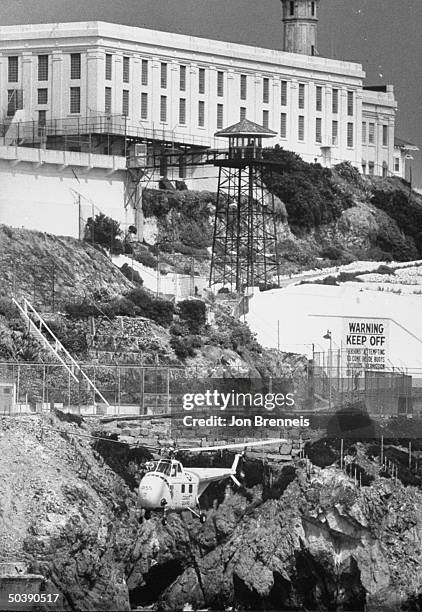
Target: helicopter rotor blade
244, 445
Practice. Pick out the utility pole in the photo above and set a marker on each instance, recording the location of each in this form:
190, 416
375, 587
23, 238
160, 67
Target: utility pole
80, 217
53, 286
278, 334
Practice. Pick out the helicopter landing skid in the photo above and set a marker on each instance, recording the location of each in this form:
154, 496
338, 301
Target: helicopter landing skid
202, 517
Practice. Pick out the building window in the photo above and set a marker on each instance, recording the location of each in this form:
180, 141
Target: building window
283, 125
243, 87
371, 168
144, 105
350, 134
220, 83
125, 102
42, 118
107, 101
318, 129
163, 75
364, 166
220, 116
182, 111
283, 95
201, 113
163, 109
144, 72
75, 66
364, 132
334, 133
335, 102
265, 118
384, 170
313, 9
42, 121
350, 103
43, 96
396, 164
201, 80
182, 78
75, 99
266, 90
318, 101
371, 133
108, 66
385, 135
43, 67
182, 167
14, 101
292, 8
126, 69
301, 128
242, 113
301, 98
13, 69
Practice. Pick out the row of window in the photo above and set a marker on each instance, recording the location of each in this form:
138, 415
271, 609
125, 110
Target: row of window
368, 134
75, 74
43, 67
370, 168
220, 117
292, 7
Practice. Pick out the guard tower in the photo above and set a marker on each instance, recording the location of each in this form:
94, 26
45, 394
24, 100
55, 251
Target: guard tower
244, 252
300, 20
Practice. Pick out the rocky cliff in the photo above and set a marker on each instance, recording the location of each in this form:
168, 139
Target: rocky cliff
307, 538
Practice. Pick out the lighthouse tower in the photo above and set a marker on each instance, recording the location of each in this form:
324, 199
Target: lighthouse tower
300, 19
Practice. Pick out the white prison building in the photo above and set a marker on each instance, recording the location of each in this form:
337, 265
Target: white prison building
95, 88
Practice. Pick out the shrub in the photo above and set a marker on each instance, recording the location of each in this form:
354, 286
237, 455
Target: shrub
241, 336
182, 347
308, 191
146, 258
194, 313
329, 280
82, 310
131, 274
179, 329
8, 309
160, 311
407, 213
331, 252
383, 269
343, 277
349, 173
102, 230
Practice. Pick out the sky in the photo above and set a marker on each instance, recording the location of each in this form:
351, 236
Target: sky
382, 35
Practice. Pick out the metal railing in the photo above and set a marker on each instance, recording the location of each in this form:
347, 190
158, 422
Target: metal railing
34, 132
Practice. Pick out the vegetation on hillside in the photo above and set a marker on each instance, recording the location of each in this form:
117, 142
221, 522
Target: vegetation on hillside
311, 196
406, 212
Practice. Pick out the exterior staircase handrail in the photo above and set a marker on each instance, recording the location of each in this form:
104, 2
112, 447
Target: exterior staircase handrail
58, 347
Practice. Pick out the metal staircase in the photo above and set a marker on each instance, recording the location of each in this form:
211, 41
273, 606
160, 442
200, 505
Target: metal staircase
42, 331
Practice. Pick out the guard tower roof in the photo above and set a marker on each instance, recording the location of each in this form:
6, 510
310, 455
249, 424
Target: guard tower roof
246, 128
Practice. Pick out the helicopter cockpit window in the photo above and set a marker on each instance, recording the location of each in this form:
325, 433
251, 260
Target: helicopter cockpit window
164, 467
179, 468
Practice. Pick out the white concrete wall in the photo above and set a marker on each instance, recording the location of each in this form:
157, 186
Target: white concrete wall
45, 196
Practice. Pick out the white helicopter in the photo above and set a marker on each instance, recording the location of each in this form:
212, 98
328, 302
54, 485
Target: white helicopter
169, 487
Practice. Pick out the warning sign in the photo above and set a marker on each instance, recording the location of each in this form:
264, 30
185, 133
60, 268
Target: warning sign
365, 344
